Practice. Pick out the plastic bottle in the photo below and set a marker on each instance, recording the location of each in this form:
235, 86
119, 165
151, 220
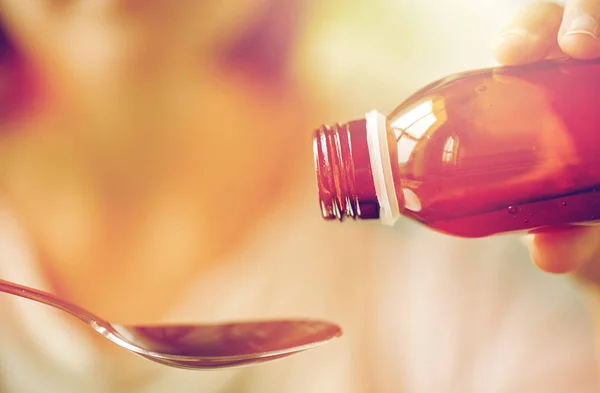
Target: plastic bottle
474, 154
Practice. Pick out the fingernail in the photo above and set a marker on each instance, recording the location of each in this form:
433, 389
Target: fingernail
583, 25
512, 36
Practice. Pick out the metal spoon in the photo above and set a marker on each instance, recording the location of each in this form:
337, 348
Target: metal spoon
198, 346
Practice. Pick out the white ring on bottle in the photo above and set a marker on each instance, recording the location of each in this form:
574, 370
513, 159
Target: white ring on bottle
381, 166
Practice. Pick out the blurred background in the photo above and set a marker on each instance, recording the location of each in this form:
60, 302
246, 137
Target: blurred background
364, 54
156, 165
128, 123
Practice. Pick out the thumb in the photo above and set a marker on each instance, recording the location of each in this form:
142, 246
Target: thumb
578, 36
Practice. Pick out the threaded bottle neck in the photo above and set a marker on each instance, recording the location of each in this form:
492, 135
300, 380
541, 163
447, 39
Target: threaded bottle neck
344, 175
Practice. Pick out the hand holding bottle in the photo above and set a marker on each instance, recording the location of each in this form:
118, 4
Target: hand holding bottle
539, 31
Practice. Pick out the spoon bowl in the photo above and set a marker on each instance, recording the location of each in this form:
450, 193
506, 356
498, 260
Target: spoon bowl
207, 346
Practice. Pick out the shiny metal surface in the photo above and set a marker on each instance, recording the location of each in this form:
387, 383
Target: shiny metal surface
207, 346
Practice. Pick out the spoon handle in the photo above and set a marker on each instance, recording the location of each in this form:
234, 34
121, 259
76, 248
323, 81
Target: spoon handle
48, 299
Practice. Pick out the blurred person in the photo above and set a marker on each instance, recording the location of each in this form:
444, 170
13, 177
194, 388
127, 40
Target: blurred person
155, 166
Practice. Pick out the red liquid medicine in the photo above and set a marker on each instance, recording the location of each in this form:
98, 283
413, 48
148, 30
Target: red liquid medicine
479, 153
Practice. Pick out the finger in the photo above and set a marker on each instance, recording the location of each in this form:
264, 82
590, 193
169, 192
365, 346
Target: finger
578, 35
531, 36
564, 250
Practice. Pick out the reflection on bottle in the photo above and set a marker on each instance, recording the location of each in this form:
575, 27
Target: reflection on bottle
411, 200
416, 121
413, 125
449, 154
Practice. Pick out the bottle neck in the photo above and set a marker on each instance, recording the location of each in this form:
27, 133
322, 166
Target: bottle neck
344, 174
